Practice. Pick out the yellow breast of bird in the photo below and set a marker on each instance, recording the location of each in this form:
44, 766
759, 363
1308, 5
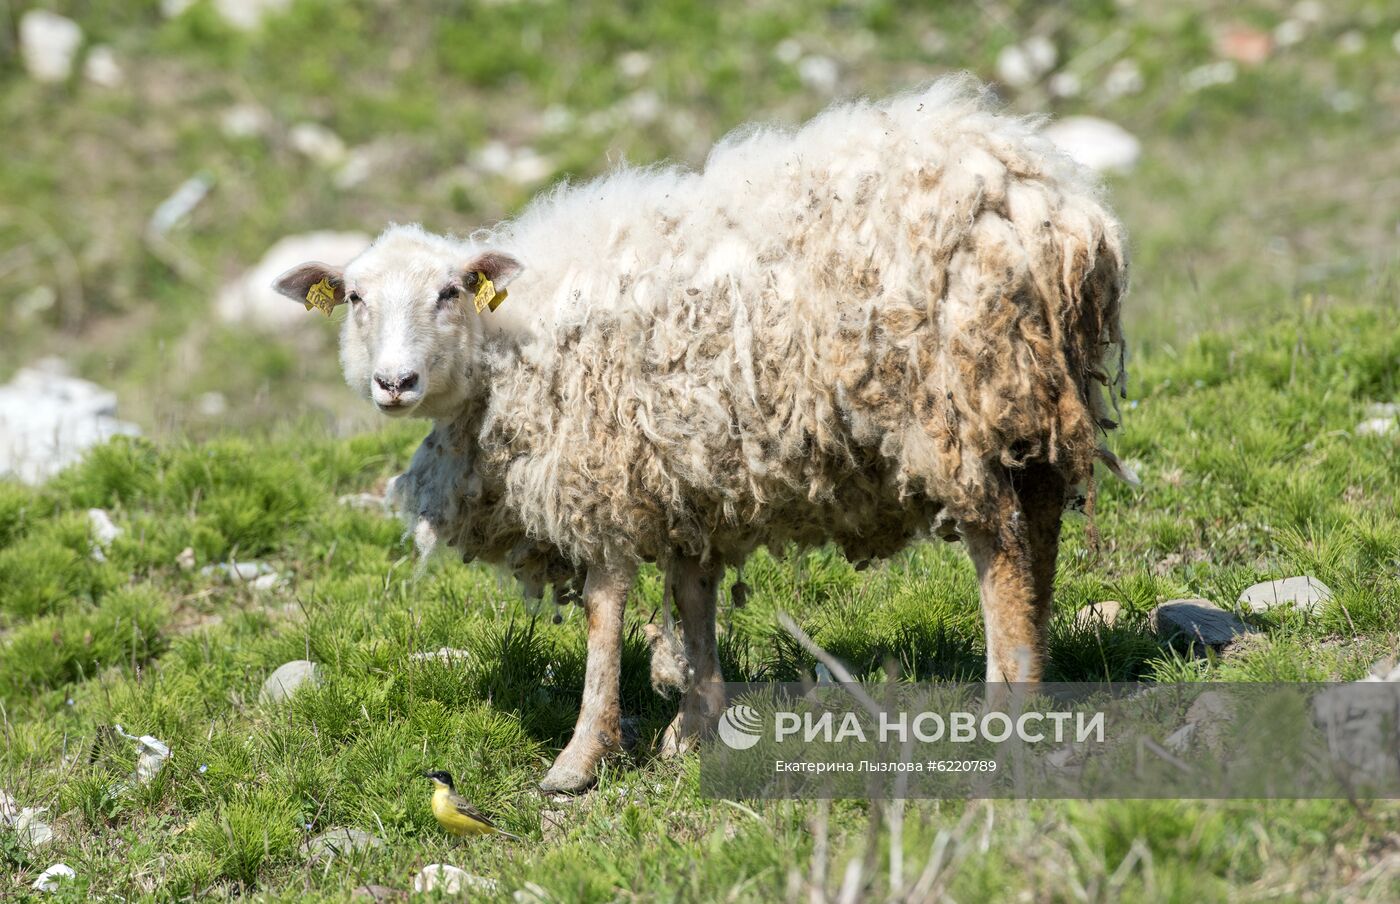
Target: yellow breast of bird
452, 819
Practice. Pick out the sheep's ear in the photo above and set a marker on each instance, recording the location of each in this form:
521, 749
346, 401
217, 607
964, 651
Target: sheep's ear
314, 284
498, 266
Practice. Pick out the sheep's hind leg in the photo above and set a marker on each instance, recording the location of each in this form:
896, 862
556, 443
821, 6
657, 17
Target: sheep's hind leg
599, 728
1015, 562
695, 587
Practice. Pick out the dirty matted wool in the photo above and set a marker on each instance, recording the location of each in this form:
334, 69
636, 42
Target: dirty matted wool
851, 332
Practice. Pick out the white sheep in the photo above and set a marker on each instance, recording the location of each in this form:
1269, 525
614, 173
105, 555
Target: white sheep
895, 321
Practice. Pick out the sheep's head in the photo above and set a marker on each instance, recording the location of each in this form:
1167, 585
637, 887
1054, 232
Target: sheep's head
414, 321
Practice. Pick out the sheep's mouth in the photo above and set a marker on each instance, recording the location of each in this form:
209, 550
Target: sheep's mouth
397, 407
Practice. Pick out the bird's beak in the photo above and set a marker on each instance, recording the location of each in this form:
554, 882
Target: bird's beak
427, 775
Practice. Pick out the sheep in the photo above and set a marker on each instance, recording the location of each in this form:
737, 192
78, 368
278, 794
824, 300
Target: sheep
897, 321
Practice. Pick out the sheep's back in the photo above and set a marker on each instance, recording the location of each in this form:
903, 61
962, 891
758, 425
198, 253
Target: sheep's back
897, 306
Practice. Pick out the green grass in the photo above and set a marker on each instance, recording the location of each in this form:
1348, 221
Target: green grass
1250, 472
1262, 321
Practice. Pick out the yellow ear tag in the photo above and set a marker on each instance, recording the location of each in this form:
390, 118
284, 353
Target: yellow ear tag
486, 294
321, 297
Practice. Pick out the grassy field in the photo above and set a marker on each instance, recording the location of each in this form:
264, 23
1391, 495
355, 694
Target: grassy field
1263, 323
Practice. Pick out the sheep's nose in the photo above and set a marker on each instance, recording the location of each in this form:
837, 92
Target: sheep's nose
398, 383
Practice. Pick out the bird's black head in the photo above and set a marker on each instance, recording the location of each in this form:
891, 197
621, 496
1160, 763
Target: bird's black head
439, 776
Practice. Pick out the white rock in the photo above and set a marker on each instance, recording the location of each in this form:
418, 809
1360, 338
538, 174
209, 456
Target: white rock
1022, 65
265, 582
1096, 143
250, 300
175, 209
364, 502
1305, 594
1376, 426
340, 840
1289, 32
239, 572
172, 8
102, 69
529, 167
1065, 84
933, 42
819, 73
48, 420
1041, 51
48, 44
24, 821
211, 404
494, 157
248, 14
634, 64
1123, 79
450, 879
318, 143
244, 121
531, 893
443, 654
557, 118
788, 51
1100, 614
103, 532
1384, 670
1210, 75
288, 679
51, 878
151, 757
1310, 11
644, 107
357, 168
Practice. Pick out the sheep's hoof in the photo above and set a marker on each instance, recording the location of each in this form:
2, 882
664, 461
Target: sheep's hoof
564, 778
576, 768
677, 741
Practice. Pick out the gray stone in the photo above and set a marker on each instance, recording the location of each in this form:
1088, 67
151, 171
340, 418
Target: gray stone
48, 44
450, 879
340, 840
1094, 615
102, 68
1305, 594
103, 532
445, 655
1201, 621
377, 893
282, 684
48, 420
50, 879
1359, 721
1096, 143
251, 301
238, 572
1377, 426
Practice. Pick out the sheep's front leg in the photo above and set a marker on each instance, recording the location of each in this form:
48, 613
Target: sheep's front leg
1015, 562
695, 587
599, 728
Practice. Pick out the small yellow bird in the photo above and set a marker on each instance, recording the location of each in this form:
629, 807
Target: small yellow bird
455, 813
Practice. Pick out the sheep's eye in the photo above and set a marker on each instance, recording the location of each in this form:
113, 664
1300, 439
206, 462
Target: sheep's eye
354, 297
447, 294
